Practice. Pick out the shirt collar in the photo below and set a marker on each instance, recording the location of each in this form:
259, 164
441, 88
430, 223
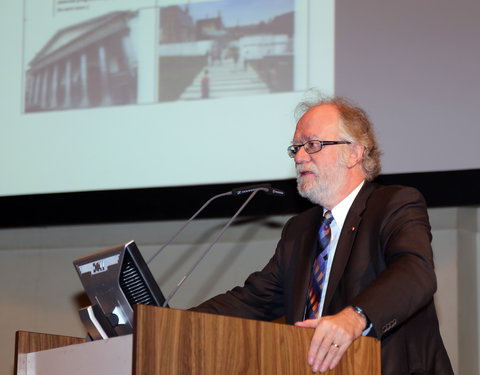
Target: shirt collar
340, 211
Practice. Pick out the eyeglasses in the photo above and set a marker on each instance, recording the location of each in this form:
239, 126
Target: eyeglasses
313, 146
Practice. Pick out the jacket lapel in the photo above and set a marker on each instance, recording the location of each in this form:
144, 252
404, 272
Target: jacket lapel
345, 242
307, 250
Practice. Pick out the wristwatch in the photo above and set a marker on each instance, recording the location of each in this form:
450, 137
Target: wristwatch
360, 311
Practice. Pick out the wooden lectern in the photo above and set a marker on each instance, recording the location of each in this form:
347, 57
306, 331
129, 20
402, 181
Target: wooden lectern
168, 341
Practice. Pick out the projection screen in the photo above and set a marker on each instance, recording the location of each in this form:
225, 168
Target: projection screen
119, 95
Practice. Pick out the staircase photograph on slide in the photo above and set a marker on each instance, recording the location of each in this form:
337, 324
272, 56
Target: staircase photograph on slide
219, 49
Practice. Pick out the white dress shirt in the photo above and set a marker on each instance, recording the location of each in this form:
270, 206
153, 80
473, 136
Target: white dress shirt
339, 213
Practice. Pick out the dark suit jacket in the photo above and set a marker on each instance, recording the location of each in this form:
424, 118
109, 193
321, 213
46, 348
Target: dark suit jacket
383, 263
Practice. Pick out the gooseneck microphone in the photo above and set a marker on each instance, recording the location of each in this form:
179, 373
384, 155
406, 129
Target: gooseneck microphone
244, 190
186, 223
267, 188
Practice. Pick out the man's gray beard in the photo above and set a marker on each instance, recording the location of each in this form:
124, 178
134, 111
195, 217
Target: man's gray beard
319, 193
325, 186
327, 181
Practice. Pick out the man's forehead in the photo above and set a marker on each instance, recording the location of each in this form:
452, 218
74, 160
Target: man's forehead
317, 121
324, 113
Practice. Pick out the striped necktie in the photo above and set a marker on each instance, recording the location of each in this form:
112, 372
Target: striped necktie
319, 267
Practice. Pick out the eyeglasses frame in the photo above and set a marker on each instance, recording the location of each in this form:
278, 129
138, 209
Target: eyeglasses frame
293, 149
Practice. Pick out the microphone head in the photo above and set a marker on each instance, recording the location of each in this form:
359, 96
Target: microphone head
276, 192
267, 188
250, 189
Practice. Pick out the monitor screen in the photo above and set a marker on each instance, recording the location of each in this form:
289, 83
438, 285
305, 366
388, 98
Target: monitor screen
115, 280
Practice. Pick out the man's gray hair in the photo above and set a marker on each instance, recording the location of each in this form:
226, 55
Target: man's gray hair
354, 126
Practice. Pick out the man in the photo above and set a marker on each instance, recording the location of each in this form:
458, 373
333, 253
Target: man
360, 263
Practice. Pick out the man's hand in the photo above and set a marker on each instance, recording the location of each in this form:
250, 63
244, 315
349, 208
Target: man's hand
333, 335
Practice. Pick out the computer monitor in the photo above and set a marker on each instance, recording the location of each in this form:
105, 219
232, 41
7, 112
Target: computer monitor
115, 280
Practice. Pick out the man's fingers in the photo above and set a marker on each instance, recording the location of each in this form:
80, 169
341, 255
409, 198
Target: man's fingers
327, 357
319, 348
338, 352
332, 336
309, 323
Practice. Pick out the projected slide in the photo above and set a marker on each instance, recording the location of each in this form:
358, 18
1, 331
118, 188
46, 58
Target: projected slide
84, 54
124, 94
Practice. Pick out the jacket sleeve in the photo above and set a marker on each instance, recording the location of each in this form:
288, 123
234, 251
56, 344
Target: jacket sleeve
406, 280
260, 298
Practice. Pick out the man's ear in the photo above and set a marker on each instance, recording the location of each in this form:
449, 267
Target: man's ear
355, 155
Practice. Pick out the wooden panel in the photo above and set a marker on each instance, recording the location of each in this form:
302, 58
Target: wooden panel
28, 342
168, 341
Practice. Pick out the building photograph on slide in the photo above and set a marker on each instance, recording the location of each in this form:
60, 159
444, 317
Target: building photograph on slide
92, 53
79, 54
